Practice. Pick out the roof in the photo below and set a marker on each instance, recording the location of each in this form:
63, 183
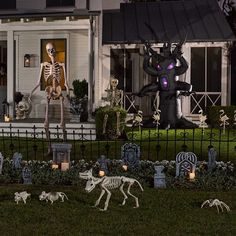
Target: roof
163, 21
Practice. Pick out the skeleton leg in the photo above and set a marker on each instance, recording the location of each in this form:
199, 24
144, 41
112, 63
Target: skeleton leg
136, 199
62, 198
62, 124
227, 208
217, 208
125, 196
221, 208
107, 200
46, 123
99, 199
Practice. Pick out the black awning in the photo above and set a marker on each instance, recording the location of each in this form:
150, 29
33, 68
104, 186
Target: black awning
162, 21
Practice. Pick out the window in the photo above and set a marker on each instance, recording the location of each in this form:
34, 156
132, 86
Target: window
60, 3
205, 77
9, 4
60, 46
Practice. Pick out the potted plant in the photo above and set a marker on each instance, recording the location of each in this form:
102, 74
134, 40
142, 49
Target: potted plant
79, 104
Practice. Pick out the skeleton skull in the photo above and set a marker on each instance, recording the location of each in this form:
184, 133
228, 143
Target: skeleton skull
114, 83
51, 51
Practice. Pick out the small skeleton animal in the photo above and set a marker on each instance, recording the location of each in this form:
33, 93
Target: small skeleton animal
217, 203
107, 183
22, 196
52, 196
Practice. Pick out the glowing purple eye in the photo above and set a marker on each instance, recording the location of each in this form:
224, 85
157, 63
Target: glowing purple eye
171, 66
158, 67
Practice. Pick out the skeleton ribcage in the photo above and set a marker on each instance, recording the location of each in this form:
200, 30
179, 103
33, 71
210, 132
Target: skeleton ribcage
112, 182
52, 71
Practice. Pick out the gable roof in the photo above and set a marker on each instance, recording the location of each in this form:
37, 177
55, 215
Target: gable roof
173, 21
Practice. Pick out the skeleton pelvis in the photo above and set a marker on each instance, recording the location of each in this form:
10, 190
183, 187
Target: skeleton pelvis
53, 92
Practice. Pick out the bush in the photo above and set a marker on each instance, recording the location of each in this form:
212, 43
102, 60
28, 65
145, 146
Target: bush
80, 88
223, 177
111, 126
213, 115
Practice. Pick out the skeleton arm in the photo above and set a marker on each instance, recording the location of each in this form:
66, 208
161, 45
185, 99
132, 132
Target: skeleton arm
65, 77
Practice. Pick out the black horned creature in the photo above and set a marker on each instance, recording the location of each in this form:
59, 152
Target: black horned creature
164, 67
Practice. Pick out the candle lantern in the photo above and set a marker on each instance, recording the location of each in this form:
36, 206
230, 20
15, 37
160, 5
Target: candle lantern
125, 167
192, 176
55, 166
65, 166
101, 173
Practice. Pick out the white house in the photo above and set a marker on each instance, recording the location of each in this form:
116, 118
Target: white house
98, 39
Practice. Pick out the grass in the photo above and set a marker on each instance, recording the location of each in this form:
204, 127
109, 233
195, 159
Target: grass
161, 212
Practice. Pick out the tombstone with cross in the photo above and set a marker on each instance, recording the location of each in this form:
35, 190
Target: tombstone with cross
103, 164
159, 177
16, 160
26, 175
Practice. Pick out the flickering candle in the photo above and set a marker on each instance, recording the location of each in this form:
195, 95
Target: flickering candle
55, 166
192, 175
6, 118
101, 173
125, 167
65, 166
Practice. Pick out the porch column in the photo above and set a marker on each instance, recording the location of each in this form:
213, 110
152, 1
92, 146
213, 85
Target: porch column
91, 69
10, 71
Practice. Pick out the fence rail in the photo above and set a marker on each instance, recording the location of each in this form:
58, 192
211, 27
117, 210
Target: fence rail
154, 144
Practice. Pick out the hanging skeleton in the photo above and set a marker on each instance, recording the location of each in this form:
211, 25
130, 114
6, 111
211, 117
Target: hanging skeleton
53, 72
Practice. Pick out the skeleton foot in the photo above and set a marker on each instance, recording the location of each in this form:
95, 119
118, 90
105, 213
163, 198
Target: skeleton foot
102, 209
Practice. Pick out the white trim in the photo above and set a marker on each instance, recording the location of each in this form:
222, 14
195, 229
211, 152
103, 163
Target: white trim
10, 71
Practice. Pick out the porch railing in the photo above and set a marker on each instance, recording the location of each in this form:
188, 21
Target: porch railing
200, 100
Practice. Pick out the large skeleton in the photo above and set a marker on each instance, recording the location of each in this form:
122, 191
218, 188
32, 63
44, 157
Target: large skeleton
52, 73
107, 183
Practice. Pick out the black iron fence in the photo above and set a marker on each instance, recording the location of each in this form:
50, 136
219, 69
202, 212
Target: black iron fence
154, 144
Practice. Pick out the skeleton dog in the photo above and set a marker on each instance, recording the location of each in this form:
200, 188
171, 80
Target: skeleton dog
52, 196
107, 183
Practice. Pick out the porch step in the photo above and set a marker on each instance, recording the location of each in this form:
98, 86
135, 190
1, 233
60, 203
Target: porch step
78, 131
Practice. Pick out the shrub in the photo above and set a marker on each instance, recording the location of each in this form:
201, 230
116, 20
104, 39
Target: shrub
111, 126
80, 88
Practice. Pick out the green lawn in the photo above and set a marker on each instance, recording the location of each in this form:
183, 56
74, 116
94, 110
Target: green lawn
161, 212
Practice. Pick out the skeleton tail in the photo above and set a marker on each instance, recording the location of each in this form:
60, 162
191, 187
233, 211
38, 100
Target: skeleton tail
139, 184
64, 195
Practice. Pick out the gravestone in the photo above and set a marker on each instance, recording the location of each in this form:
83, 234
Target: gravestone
103, 163
61, 152
130, 155
1, 162
159, 177
211, 164
185, 163
26, 175
16, 160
